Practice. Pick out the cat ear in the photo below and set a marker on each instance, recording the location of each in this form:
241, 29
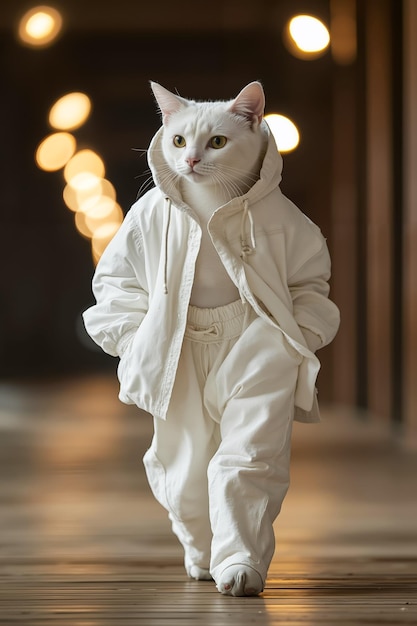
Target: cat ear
168, 102
250, 102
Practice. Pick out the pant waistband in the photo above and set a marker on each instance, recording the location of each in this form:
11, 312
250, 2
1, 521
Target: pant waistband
217, 324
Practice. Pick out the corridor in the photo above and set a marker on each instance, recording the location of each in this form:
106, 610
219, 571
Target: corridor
83, 543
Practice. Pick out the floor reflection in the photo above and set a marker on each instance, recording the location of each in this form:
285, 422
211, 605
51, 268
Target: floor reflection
83, 541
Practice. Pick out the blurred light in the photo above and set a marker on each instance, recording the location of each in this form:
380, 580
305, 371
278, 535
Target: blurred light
70, 111
87, 193
306, 37
284, 131
108, 212
75, 199
102, 237
309, 33
40, 26
97, 208
85, 183
55, 151
84, 162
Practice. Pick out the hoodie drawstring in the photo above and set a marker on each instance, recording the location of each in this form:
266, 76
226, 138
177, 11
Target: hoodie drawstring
247, 249
166, 233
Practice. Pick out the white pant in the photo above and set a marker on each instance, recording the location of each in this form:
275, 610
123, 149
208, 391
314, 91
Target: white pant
220, 462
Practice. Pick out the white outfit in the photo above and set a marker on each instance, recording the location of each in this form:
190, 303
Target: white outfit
222, 383
220, 462
275, 255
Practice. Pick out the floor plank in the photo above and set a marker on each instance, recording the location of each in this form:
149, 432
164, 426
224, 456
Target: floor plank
83, 542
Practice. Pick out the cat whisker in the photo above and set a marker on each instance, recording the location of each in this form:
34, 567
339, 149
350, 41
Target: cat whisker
230, 191
168, 178
145, 173
231, 187
144, 151
147, 184
242, 175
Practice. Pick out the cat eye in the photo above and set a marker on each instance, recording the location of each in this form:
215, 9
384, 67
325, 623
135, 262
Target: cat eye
179, 141
218, 142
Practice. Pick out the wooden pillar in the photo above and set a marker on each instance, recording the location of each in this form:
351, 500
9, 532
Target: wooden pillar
410, 224
343, 243
379, 209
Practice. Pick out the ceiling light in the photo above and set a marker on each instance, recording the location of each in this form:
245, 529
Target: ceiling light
40, 26
306, 37
284, 131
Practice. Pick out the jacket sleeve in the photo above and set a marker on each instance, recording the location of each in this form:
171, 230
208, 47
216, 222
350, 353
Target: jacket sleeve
316, 315
120, 290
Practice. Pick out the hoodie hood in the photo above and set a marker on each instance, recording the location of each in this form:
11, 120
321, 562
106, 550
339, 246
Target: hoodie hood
269, 179
270, 173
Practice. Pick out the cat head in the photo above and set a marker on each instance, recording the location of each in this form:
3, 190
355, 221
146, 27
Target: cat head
213, 142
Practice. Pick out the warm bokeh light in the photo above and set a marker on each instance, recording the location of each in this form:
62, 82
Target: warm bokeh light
106, 212
54, 152
284, 131
309, 33
70, 111
81, 199
102, 237
85, 183
87, 193
84, 162
100, 209
306, 37
74, 197
40, 26
97, 214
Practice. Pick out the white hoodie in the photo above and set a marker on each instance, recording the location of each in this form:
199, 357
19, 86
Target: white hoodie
274, 254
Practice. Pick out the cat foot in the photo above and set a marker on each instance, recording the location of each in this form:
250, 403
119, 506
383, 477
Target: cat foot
198, 573
240, 580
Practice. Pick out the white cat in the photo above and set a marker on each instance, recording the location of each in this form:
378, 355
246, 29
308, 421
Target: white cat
218, 145
213, 152
214, 295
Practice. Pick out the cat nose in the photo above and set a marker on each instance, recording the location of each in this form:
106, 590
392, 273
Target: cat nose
191, 162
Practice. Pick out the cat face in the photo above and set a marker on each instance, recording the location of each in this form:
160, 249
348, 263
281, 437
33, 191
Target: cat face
213, 143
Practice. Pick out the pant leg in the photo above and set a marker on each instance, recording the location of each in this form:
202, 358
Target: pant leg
253, 395
176, 463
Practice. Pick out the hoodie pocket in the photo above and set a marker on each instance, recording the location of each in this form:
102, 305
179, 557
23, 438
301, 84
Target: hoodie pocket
123, 366
127, 371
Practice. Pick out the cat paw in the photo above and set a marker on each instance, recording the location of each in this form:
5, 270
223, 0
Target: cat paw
198, 573
240, 580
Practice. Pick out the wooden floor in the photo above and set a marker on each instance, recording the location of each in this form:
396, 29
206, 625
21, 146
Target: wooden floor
83, 543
